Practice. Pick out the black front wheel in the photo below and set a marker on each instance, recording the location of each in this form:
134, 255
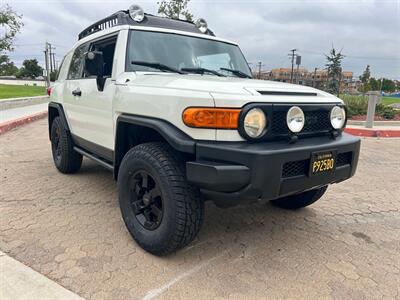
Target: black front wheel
161, 210
300, 200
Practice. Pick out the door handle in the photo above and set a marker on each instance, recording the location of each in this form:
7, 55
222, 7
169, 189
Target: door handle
77, 92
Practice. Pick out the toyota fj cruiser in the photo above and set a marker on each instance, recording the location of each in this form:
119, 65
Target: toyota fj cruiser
173, 111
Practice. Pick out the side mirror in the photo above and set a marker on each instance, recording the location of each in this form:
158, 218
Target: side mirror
94, 66
94, 63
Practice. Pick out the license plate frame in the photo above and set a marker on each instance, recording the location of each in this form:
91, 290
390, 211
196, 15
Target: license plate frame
322, 162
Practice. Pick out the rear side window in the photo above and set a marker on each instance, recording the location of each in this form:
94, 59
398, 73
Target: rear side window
76, 66
59, 69
63, 70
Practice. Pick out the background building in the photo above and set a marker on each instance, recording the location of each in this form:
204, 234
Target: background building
316, 78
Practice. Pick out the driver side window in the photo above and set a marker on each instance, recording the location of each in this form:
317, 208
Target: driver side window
107, 47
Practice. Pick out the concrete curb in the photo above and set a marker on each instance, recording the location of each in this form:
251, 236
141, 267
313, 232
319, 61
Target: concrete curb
365, 132
376, 123
20, 282
21, 102
8, 125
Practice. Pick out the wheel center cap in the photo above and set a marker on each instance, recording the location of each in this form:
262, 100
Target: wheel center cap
146, 199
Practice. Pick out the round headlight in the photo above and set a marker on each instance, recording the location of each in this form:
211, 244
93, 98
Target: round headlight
338, 117
136, 13
201, 24
295, 119
254, 123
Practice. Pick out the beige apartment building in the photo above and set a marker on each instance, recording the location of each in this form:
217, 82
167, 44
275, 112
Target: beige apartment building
316, 78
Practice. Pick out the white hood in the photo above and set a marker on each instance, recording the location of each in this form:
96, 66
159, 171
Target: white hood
231, 91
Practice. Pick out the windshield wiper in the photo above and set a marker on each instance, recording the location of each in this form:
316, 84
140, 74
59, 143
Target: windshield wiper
156, 65
202, 71
237, 73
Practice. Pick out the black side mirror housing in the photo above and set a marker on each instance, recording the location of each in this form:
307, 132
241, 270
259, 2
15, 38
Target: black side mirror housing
94, 66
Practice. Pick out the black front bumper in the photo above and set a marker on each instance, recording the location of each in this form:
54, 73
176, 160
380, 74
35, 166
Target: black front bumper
233, 172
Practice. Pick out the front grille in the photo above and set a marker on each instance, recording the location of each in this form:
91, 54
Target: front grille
344, 159
279, 125
295, 168
316, 121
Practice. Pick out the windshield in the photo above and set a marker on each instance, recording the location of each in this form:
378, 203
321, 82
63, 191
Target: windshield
183, 52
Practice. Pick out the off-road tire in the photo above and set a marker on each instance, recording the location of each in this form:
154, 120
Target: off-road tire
183, 208
300, 200
65, 158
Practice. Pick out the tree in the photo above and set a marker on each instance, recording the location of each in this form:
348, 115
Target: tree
366, 75
7, 67
174, 9
30, 69
374, 84
388, 85
334, 66
365, 79
11, 22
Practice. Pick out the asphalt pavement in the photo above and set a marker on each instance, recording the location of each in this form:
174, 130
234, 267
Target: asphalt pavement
68, 228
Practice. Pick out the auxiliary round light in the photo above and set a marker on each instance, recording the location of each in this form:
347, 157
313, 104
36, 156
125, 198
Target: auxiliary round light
338, 117
255, 123
201, 24
295, 119
136, 13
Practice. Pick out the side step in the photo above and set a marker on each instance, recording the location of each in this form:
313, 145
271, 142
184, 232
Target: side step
95, 158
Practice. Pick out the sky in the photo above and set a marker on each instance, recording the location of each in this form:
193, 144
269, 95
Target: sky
366, 31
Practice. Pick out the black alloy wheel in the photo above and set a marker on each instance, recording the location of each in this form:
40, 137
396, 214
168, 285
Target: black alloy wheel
56, 145
147, 201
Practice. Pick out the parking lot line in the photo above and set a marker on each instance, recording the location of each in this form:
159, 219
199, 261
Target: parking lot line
154, 293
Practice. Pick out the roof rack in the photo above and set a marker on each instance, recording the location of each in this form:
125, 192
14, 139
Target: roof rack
119, 18
122, 18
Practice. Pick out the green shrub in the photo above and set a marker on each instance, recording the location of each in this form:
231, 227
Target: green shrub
386, 112
356, 105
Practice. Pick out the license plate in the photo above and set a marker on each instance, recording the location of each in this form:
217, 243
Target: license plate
322, 162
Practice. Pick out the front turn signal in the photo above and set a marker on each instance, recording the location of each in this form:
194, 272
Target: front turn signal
208, 117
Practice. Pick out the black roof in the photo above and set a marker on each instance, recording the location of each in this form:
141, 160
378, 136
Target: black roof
122, 18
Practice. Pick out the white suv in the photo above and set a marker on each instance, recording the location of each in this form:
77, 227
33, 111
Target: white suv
173, 112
